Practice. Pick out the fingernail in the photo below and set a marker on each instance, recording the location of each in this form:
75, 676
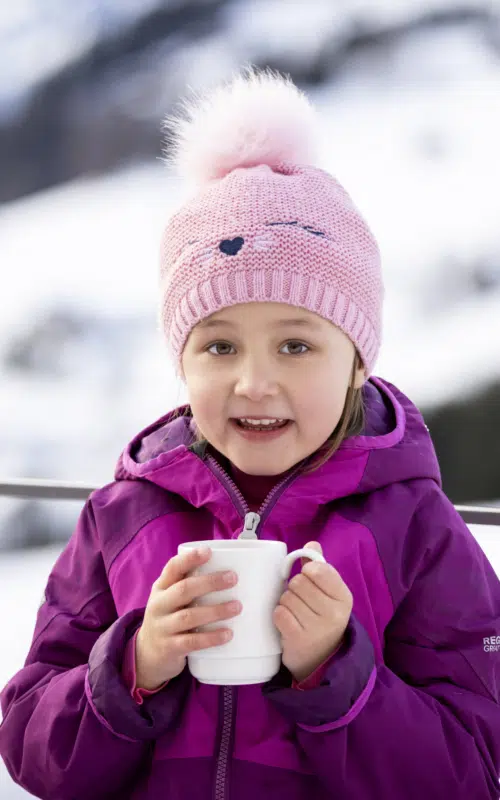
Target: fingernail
229, 577
203, 552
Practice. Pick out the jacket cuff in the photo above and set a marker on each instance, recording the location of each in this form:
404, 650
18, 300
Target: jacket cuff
129, 673
344, 679
314, 679
110, 696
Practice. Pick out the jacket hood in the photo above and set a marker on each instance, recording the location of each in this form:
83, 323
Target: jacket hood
395, 446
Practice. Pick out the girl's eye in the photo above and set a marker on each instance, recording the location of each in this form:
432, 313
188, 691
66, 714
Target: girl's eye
225, 344
296, 344
218, 344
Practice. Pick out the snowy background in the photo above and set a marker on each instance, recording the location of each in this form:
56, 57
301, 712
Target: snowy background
409, 95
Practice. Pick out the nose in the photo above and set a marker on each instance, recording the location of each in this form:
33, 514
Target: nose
256, 379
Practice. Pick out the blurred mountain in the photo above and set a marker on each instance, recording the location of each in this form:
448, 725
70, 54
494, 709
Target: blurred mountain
465, 435
85, 84
409, 96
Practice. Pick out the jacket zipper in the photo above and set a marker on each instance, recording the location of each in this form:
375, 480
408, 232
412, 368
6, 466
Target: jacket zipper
251, 518
226, 742
228, 694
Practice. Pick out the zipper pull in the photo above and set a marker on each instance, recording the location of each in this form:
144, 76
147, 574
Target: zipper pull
251, 521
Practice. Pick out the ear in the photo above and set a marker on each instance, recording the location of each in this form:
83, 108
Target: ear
180, 370
359, 377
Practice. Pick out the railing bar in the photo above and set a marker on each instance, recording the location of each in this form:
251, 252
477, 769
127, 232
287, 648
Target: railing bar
61, 490
45, 489
479, 515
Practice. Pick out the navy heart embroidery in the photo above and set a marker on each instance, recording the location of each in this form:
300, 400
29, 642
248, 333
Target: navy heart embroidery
231, 246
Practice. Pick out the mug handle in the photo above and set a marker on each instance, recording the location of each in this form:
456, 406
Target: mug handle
289, 560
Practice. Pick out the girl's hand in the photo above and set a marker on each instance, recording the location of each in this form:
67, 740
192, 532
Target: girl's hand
168, 632
312, 616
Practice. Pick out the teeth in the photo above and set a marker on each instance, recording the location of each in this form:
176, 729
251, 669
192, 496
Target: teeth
261, 422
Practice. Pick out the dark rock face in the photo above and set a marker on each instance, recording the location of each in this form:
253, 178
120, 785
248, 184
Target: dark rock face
32, 525
74, 123
466, 434
81, 122
104, 110
37, 350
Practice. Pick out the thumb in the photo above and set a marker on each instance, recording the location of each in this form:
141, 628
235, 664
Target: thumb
312, 546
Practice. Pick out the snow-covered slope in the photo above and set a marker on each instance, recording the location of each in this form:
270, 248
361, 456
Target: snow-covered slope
90, 250
411, 130
38, 40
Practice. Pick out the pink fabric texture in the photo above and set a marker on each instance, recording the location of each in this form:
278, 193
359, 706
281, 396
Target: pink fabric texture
129, 674
314, 679
288, 234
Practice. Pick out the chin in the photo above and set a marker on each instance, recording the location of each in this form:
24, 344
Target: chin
264, 472
252, 466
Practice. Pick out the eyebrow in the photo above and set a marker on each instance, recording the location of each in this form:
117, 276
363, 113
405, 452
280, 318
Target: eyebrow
299, 322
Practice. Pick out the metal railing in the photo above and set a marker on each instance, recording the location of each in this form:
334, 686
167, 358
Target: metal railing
60, 490
45, 490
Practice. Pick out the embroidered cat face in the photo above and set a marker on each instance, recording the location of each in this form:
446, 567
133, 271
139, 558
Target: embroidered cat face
259, 242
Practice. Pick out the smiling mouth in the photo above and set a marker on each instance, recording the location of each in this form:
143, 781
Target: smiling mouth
249, 427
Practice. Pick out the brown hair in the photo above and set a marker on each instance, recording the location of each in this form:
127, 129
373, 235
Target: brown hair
351, 423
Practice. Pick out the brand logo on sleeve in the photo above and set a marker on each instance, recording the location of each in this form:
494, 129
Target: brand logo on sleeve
491, 644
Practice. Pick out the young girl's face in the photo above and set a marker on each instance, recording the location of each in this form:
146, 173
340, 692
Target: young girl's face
268, 360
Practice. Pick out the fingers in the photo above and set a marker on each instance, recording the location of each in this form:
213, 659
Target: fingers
314, 546
181, 565
188, 618
176, 588
302, 586
328, 580
287, 624
189, 589
311, 546
186, 643
304, 615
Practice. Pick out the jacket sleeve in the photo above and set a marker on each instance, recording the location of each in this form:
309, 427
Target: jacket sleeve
129, 673
71, 729
426, 721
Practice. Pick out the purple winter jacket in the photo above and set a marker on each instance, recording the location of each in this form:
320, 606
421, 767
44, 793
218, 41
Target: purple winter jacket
408, 708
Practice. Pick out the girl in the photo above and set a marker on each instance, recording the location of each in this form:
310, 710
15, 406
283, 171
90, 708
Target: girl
271, 304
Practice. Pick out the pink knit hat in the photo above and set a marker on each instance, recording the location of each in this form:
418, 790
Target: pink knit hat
264, 225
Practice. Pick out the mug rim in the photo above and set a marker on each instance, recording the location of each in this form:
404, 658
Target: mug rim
221, 544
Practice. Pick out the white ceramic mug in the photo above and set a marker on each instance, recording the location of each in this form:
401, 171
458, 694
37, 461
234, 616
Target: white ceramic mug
253, 655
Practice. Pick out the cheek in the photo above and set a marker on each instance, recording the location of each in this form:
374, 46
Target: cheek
207, 405
321, 401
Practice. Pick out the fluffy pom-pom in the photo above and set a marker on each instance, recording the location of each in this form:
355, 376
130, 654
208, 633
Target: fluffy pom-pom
260, 117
